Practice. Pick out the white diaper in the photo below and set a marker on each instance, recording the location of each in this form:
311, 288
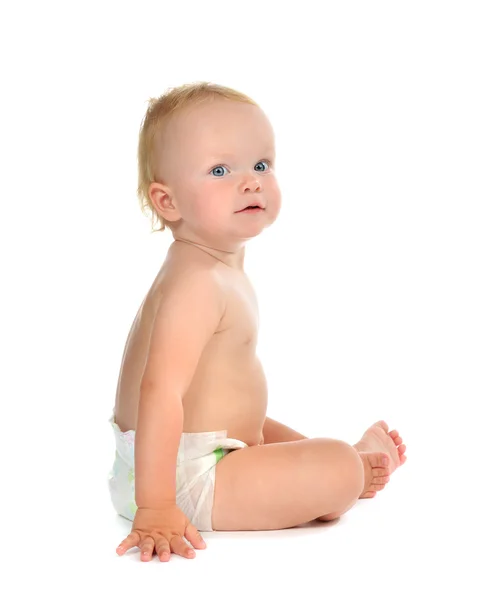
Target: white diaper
198, 454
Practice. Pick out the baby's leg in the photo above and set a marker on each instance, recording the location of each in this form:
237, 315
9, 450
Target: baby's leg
282, 485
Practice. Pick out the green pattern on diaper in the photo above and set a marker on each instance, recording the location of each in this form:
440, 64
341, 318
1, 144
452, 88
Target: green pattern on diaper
130, 475
219, 454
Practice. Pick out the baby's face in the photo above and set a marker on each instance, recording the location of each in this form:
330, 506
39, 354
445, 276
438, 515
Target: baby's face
219, 158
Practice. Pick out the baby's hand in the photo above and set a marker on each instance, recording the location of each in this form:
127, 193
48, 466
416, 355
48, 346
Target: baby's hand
162, 530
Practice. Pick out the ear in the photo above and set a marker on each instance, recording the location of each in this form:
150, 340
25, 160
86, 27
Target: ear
162, 200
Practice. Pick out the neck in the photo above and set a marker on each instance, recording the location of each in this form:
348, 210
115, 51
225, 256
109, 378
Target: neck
233, 259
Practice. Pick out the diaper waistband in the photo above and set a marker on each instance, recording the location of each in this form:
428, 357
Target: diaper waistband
191, 446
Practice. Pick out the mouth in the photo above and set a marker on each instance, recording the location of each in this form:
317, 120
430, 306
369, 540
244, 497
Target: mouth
251, 209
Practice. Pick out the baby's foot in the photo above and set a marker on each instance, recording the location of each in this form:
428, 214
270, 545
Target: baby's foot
376, 472
377, 439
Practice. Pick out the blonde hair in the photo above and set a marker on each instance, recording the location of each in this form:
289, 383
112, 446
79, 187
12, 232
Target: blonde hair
160, 110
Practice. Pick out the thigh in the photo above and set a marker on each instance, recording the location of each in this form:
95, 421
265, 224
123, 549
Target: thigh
283, 485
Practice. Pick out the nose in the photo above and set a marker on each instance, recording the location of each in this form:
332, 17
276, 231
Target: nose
251, 183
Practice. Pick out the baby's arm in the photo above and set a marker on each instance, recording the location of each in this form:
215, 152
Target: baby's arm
188, 316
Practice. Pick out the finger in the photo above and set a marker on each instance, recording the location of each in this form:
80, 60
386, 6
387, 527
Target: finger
181, 547
131, 541
162, 548
147, 547
194, 538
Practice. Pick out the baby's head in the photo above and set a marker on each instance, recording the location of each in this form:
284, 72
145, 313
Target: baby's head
205, 152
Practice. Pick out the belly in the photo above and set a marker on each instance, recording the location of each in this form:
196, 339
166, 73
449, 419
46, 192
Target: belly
234, 399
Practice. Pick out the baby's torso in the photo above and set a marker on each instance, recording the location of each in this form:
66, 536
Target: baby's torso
228, 390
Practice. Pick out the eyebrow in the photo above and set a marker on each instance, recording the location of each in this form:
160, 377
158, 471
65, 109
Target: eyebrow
226, 155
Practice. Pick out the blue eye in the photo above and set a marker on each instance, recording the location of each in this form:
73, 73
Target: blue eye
218, 167
259, 163
218, 174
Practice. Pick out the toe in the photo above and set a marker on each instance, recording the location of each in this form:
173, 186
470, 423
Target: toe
396, 438
381, 459
379, 480
394, 435
380, 472
378, 459
368, 495
377, 487
402, 449
383, 424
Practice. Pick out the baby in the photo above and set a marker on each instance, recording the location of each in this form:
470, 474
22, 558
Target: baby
191, 400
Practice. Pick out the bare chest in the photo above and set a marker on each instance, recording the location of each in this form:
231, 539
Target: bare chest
241, 320
228, 367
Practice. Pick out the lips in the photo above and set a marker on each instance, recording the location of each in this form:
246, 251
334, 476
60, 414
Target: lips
251, 207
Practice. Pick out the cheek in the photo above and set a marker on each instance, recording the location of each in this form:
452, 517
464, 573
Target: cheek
209, 201
214, 195
274, 193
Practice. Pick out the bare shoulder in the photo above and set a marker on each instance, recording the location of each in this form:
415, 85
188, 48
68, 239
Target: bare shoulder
188, 284
189, 311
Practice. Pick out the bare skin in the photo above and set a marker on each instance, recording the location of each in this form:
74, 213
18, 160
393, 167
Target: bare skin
381, 452
228, 368
378, 438
231, 368
263, 486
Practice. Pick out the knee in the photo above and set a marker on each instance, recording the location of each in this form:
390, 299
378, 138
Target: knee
352, 468
344, 469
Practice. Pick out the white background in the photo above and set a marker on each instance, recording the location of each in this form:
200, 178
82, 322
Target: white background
369, 283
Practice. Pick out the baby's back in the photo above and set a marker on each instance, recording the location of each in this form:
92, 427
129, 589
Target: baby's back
228, 390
